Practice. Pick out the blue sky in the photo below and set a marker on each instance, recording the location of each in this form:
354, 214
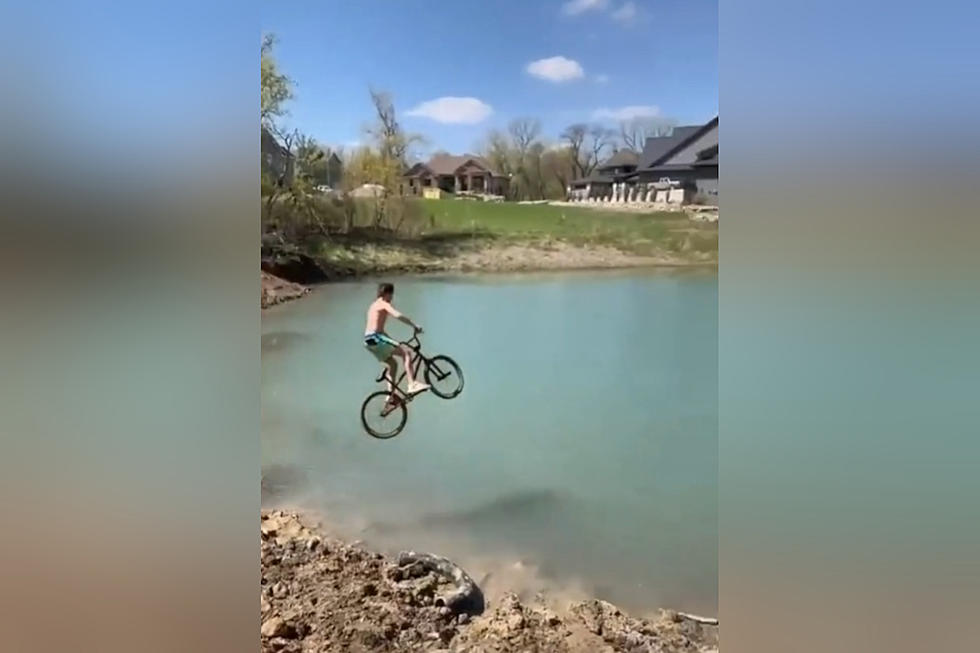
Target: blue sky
457, 69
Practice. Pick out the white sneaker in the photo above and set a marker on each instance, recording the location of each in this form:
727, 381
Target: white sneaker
417, 387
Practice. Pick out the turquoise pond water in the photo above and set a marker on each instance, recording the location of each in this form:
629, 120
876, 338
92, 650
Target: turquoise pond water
583, 452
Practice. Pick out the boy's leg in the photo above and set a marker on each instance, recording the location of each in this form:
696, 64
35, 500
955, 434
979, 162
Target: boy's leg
406, 355
413, 385
392, 373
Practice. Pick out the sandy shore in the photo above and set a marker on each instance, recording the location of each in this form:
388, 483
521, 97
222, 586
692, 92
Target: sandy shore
319, 593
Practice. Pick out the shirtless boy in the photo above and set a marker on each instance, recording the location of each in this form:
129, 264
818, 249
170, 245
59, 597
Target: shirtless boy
382, 346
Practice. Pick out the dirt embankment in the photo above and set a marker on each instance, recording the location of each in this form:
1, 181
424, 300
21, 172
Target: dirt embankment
276, 290
555, 255
322, 594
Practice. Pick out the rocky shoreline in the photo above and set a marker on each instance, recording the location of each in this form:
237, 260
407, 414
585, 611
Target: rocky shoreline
322, 594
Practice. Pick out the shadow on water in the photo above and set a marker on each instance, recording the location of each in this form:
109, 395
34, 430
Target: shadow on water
516, 506
280, 482
281, 340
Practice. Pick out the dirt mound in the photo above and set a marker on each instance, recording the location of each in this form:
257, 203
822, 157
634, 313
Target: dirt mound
322, 594
276, 290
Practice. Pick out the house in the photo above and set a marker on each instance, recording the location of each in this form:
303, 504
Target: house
453, 174
615, 169
679, 168
276, 160
688, 159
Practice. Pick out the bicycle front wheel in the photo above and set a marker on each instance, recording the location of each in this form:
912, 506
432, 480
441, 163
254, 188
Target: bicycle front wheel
444, 376
383, 415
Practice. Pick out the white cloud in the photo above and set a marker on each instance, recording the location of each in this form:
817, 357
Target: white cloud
576, 7
602, 78
556, 69
625, 14
626, 113
453, 110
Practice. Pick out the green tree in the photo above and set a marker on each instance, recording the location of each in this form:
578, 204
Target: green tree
276, 87
393, 143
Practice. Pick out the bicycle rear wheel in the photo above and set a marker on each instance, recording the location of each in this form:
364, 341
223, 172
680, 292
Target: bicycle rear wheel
382, 419
444, 376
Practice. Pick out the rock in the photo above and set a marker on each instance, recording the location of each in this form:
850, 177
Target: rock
368, 589
312, 544
279, 590
463, 619
465, 595
549, 617
394, 573
427, 585
515, 622
277, 627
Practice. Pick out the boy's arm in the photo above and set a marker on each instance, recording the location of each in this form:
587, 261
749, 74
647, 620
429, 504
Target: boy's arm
393, 312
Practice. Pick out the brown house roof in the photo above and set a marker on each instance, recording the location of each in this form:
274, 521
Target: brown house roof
447, 165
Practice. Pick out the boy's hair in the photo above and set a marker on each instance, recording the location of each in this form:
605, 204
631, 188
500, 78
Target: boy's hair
385, 289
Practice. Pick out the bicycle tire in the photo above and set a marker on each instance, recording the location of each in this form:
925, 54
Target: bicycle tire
399, 414
434, 374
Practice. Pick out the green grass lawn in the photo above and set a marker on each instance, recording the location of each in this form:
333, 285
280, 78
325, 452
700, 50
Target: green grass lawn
635, 232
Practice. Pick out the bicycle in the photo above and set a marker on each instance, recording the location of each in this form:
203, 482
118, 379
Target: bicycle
390, 408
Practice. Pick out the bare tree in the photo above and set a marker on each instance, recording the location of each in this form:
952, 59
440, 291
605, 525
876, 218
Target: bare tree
587, 146
634, 133
393, 142
599, 142
523, 136
574, 137
524, 132
496, 149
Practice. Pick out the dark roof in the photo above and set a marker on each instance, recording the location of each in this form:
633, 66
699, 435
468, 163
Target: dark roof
695, 151
621, 159
270, 143
657, 148
448, 164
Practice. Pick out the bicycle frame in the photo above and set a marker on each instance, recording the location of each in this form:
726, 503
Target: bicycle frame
416, 357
